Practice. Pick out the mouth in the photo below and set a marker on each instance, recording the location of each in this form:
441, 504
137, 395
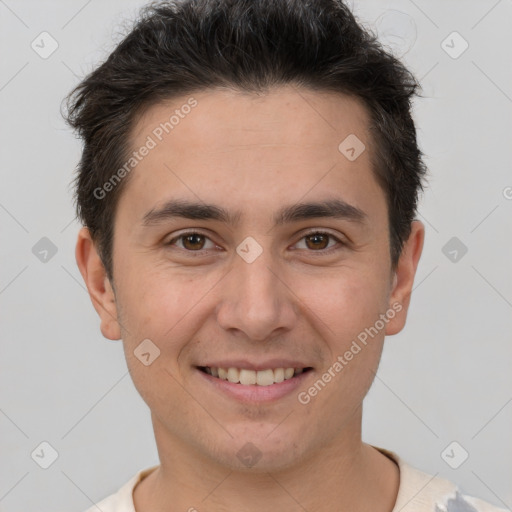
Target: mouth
248, 377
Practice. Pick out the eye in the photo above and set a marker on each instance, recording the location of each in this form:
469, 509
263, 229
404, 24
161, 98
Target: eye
191, 241
318, 241
314, 241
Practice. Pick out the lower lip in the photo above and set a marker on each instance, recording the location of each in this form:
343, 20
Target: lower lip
254, 393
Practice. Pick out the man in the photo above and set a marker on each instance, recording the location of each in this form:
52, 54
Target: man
248, 187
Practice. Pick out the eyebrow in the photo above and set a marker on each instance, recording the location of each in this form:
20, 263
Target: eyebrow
179, 208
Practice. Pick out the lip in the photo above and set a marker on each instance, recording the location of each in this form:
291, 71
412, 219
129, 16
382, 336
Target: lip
243, 364
254, 393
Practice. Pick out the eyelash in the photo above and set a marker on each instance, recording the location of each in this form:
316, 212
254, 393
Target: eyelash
313, 232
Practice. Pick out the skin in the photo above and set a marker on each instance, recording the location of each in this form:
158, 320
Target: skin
253, 154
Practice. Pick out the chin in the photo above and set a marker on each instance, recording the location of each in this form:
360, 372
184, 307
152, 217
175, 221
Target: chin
261, 451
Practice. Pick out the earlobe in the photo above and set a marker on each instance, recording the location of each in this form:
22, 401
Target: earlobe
403, 279
98, 284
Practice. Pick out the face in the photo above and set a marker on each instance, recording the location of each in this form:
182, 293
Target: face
222, 260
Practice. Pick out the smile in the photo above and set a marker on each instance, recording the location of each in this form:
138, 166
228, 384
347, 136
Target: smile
248, 377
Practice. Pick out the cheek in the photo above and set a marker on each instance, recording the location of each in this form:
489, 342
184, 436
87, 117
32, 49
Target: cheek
155, 331
346, 302
164, 306
148, 296
349, 310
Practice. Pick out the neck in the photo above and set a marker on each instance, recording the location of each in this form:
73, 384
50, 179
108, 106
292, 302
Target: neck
344, 471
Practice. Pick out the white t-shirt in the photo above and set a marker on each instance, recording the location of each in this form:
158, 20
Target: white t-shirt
417, 492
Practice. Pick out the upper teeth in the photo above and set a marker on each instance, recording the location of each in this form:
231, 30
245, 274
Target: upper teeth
248, 377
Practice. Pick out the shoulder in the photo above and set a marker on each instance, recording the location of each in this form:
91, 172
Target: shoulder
422, 492
122, 500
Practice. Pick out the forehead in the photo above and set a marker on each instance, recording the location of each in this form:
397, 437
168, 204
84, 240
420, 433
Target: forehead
252, 148
303, 117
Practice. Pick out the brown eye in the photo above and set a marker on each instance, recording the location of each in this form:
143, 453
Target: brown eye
191, 242
321, 242
317, 241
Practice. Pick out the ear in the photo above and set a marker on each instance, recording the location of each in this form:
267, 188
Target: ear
403, 279
98, 284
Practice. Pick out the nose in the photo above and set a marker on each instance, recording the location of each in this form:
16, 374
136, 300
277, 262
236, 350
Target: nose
256, 299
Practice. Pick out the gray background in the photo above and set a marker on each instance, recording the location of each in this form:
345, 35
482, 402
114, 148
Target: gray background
445, 378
